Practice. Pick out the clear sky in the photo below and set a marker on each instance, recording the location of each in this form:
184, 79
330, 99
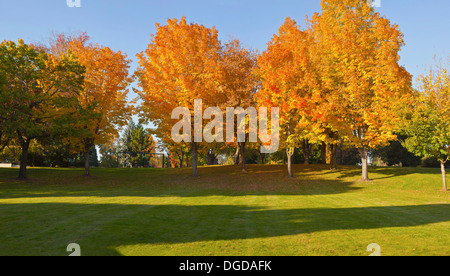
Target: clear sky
127, 25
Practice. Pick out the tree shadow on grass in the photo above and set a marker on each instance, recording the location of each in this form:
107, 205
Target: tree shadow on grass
350, 173
101, 229
375, 173
380, 173
226, 181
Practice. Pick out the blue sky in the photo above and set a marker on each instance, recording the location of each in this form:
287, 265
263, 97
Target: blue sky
127, 25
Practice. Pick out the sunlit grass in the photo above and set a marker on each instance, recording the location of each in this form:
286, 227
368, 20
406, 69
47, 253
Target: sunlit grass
224, 212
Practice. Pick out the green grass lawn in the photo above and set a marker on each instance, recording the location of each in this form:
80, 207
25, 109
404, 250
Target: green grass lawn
224, 212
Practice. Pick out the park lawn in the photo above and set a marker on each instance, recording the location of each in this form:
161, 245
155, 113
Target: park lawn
224, 212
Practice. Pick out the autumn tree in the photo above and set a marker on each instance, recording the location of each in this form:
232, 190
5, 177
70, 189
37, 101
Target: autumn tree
103, 99
181, 64
239, 84
357, 54
287, 81
40, 92
428, 124
178, 153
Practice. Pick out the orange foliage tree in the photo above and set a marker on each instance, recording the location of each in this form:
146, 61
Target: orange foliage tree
104, 93
181, 64
357, 55
287, 81
239, 84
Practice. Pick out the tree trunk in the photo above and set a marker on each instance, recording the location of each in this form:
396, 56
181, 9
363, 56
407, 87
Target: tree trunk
211, 159
444, 176
88, 144
324, 153
87, 169
236, 155
365, 166
263, 158
242, 150
289, 154
329, 149
24, 160
194, 159
333, 150
181, 158
306, 151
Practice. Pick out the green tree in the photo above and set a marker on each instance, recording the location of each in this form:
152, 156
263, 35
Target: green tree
39, 93
428, 124
4, 136
93, 157
137, 143
347, 156
58, 153
395, 153
108, 154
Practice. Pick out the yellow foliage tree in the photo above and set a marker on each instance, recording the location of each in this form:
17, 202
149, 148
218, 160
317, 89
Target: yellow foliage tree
239, 84
357, 52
